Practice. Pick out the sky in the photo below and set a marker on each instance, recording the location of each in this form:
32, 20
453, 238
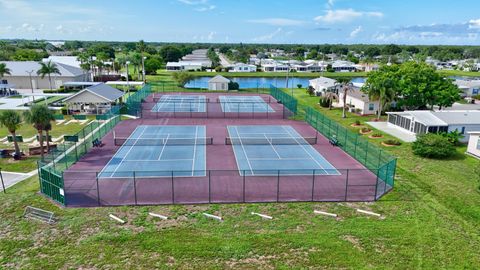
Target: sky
455, 22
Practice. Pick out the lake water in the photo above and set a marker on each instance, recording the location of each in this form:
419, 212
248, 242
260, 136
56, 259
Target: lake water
260, 82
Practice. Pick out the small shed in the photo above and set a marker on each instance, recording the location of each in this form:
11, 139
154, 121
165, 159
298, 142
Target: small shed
218, 83
95, 99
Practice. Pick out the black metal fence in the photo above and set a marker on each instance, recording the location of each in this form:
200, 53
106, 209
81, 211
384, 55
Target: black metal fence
221, 186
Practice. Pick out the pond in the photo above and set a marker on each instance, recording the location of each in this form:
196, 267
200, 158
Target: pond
261, 82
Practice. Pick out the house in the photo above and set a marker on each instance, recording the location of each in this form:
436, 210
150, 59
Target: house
473, 147
469, 88
184, 66
343, 66
275, 67
241, 67
95, 99
421, 122
21, 71
218, 83
358, 102
322, 85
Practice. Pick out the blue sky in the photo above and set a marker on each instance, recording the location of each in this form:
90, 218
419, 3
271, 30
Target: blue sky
248, 21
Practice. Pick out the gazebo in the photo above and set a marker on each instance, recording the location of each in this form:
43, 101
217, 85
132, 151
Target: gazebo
95, 99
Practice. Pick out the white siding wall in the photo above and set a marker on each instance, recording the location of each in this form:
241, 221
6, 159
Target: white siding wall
474, 145
360, 104
23, 82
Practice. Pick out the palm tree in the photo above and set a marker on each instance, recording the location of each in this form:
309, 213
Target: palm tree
39, 116
383, 91
330, 95
141, 48
48, 128
346, 85
4, 70
12, 121
47, 69
84, 59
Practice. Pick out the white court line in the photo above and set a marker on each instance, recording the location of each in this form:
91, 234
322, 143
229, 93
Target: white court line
273, 148
131, 147
243, 148
151, 160
163, 147
194, 149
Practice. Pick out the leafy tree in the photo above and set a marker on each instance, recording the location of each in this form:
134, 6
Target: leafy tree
433, 145
48, 68
310, 90
453, 137
372, 52
101, 48
170, 53
224, 49
28, 55
141, 47
152, 64
412, 49
39, 116
382, 85
182, 78
12, 121
312, 54
4, 70
233, 85
391, 49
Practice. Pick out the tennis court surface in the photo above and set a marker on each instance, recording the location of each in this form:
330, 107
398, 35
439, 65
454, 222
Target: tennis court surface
244, 104
272, 150
180, 103
159, 151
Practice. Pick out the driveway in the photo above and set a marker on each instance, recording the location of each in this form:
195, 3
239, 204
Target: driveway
394, 131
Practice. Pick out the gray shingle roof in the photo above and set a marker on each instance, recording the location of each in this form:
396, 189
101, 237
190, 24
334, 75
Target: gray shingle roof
105, 91
20, 68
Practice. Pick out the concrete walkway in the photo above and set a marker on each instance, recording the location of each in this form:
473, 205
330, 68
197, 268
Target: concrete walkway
394, 131
12, 178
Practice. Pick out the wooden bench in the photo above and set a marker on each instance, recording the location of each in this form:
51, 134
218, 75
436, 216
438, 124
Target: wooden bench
39, 214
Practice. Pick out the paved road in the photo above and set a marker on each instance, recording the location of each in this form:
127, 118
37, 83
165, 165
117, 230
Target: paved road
224, 60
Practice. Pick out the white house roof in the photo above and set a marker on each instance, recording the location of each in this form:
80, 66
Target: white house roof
322, 83
356, 93
20, 68
66, 60
219, 79
467, 83
102, 90
443, 118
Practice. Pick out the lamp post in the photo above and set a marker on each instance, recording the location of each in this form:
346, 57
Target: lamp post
143, 68
31, 82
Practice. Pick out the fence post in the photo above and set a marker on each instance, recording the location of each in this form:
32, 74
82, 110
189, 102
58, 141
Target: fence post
244, 186
313, 184
346, 185
135, 188
173, 191
98, 189
379, 158
3, 184
278, 185
376, 185
209, 188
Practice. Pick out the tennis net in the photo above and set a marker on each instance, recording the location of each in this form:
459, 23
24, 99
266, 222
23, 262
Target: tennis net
162, 141
272, 140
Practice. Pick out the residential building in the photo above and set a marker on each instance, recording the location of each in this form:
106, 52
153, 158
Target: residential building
22, 71
343, 66
275, 67
218, 83
469, 88
473, 147
358, 102
421, 122
322, 85
241, 67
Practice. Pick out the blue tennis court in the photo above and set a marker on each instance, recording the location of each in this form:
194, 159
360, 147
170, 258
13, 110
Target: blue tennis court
263, 150
156, 151
180, 103
244, 104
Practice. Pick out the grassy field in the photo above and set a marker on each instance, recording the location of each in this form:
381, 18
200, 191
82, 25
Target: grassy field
430, 221
459, 73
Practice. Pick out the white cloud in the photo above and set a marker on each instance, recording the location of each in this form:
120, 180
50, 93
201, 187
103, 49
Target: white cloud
269, 36
206, 8
211, 35
330, 3
277, 21
356, 31
345, 15
192, 2
474, 24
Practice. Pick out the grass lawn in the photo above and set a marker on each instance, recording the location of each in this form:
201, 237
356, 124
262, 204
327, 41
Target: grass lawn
49, 100
25, 165
431, 222
459, 73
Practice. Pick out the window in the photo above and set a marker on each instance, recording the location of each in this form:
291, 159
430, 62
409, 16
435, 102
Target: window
463, 130
371, 106
478, 144
475, 91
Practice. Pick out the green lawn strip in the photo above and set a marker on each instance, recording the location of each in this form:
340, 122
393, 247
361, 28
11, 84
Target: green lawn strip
26, 164
416, 233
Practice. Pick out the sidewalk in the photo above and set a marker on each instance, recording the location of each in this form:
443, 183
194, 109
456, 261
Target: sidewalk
12, 178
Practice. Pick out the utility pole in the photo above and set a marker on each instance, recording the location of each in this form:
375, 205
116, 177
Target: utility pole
128, 86
31, 82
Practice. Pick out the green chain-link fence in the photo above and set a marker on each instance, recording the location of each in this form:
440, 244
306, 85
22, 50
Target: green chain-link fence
287, 100
134, 102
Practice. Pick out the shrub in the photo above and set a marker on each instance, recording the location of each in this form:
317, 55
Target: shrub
377, 134
324, 102
432, 145
310, 90
357, 122
233, 85
453, 137
182, 77
392, 142
476, 97
365, 130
